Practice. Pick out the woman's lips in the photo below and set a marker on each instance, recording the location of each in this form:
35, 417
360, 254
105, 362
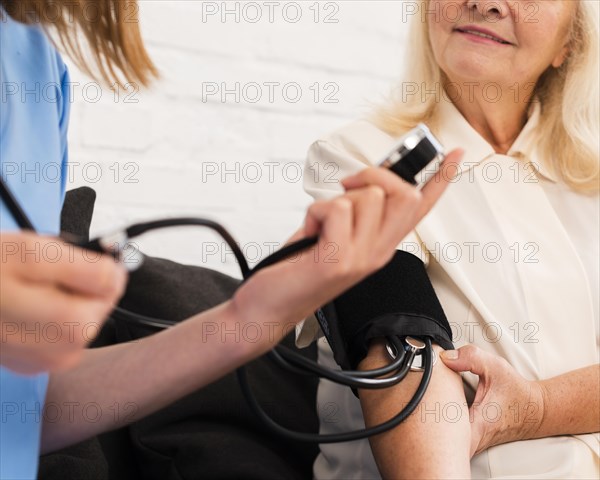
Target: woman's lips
481, 35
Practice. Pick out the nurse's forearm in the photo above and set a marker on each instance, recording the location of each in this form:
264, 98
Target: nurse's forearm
434, 441
120, 384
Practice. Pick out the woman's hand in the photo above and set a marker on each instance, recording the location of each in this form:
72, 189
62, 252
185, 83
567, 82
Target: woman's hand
53, 301
358, 234
507, 407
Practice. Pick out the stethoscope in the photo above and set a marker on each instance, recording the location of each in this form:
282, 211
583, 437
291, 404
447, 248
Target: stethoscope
416, 150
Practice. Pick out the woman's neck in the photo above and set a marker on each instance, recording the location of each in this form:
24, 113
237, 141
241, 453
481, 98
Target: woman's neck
499, 122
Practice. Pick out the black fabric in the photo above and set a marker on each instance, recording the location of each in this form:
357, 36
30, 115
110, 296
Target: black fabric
397, 300
164, 289
85, 460
210, 433
77, 212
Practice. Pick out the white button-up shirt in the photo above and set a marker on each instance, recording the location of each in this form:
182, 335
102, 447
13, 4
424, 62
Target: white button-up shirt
513, 255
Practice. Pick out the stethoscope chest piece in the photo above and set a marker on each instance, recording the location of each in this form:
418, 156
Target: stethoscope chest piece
414, 349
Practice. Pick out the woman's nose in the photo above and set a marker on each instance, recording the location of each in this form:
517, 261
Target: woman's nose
489, 9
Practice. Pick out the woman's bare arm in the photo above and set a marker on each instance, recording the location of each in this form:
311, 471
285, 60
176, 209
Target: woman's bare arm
434, 441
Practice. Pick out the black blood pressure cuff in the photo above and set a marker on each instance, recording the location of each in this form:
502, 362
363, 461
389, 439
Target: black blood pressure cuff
398, 300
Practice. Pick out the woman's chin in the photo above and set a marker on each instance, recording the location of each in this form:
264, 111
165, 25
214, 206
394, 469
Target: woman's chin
477, 75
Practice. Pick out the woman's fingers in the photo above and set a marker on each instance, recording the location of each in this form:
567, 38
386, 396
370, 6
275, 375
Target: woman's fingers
472, 359
467, 359
487, 366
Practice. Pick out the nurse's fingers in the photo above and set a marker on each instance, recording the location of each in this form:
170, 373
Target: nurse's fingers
332, 220
54, 315
436, 185
50, 261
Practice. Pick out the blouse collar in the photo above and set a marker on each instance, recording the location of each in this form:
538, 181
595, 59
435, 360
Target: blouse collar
454, 131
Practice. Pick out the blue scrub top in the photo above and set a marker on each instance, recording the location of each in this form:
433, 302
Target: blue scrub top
34, 111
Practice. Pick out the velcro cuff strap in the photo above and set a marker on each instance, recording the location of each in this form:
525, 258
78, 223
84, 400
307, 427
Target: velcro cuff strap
398, 300
401, 325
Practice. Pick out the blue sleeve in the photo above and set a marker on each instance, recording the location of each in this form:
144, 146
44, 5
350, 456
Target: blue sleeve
33, 156
64, 112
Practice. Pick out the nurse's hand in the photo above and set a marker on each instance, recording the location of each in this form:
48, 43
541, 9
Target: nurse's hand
507, 407
358, 234
54, 299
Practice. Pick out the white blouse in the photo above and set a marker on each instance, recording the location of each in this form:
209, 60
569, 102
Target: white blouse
513, 255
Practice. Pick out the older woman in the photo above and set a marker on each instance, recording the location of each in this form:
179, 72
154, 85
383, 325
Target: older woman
512, 247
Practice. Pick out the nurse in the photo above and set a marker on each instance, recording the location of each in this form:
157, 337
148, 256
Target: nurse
366, 222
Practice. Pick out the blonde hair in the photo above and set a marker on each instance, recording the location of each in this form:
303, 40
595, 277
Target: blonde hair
110, 29
569, 129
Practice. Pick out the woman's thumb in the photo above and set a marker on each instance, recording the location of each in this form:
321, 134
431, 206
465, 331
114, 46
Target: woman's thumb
465, 359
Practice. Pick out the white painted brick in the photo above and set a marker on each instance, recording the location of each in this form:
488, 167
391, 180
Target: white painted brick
154, 158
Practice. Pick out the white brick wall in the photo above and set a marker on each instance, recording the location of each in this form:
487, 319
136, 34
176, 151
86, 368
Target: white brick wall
166, 153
